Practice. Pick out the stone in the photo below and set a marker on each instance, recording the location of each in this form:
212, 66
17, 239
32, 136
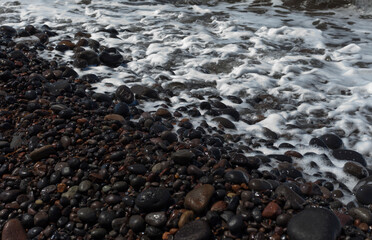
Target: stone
84, 186
332, 141
364, 194
42, 152
350, 155
41, 219
259, 185
13, 230
98, 233
9, 195
71, 192
226, 123
137, 223
183, 156
195, 230
363, 214
185, 218
124, 94
169, 136
89, 56
235, 224
295, 200
198, 198
122, 109
164, 113
316, 142
156, 219
236, 177
272, 210
364, 181
111, 57
314, 224
87, 215
114, 117
153, 199
105, 218
137, 168
356, 169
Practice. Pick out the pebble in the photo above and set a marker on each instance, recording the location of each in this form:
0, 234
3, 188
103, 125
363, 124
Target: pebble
114, 117
198, 198
153, 199
122, 109
235, 224
98, 233
42, 152
87, 215
363, 214
164, 113
236, 177
226, 123
111, 57
183, 157
332, 141
195, 230
272, 210
364, 194
9, 195
124, 94
259, 185
137, 223
84, 186
324, 225
105, 218
156, 219
355, 169
350, 155
41, 219
295, 200
185, 218
13, 230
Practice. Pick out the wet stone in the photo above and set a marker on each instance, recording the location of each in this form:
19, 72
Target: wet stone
164, 113
198, 199
105, 218
156, 219
226, 123
137, 223
271, 210
124, 94
316, 142
152, 199
111, 57
33, 232
122, 109
235, 224
350, 155
196, 230
259, 185
183, 157
85, 185
9, 195
236, 177
355, 169
332, 141
87, 215
363, 214
41, 219
324, 225
364, 194
295, 200
98, 233
137, 169
185, 218
13, 230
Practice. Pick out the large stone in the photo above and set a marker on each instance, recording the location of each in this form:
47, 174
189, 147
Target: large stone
355, 169
153, 199
183, 157
236, 177
198, 199
349, 155
332, 141
13, 230
195, 230
124, 94
364, 194
42, 152
314, 224
363, 214
295, 200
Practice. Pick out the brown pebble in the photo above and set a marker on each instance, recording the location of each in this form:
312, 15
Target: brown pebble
363, 227
115, 117
13, 230
293, 154
219, 206
271, 210
186, 217
162, 112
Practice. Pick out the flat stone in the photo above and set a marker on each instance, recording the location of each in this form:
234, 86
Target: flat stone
195, 230
259, 185
198, 199
363, 214
153, 199
355, 169
314, 224
350, 155
332, 141
183, 156
13, 230
42, 152
226, 123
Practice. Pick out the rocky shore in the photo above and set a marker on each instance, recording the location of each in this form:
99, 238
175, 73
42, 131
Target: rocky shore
76, 164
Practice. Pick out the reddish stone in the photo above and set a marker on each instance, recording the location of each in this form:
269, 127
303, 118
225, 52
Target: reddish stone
219, 206
13, 230
271, 210
344, 218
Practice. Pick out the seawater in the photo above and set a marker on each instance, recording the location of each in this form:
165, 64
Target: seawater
314, 65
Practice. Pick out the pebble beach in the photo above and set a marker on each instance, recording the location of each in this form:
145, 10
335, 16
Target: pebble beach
185, 120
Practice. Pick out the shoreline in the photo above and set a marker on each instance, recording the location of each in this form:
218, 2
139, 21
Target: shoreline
79, 164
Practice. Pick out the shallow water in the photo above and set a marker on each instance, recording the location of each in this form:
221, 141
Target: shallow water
311, 68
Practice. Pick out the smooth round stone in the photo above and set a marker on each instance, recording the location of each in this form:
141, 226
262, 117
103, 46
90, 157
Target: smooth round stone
164, 113
316, 142
153, 232
41, 219
13, 230
120, 186
153, 199
98, 233
198, 199
236, 177
124, 94
183, 157
105, 218
350, 155
122, 109
111, 57
87, 215
355, 169
42, 152
84, 186
324, 225
112, 199
71, 192
364, 194
137, 169
226, 123
33, 232
195, 230
363, 214
156, 219
89, 56
364, 181
169, 136
235, 224
137, 223
9, 195
332, 141
185, 218
259, 185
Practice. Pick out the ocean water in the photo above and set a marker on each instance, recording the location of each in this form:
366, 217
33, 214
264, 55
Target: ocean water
312, 68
